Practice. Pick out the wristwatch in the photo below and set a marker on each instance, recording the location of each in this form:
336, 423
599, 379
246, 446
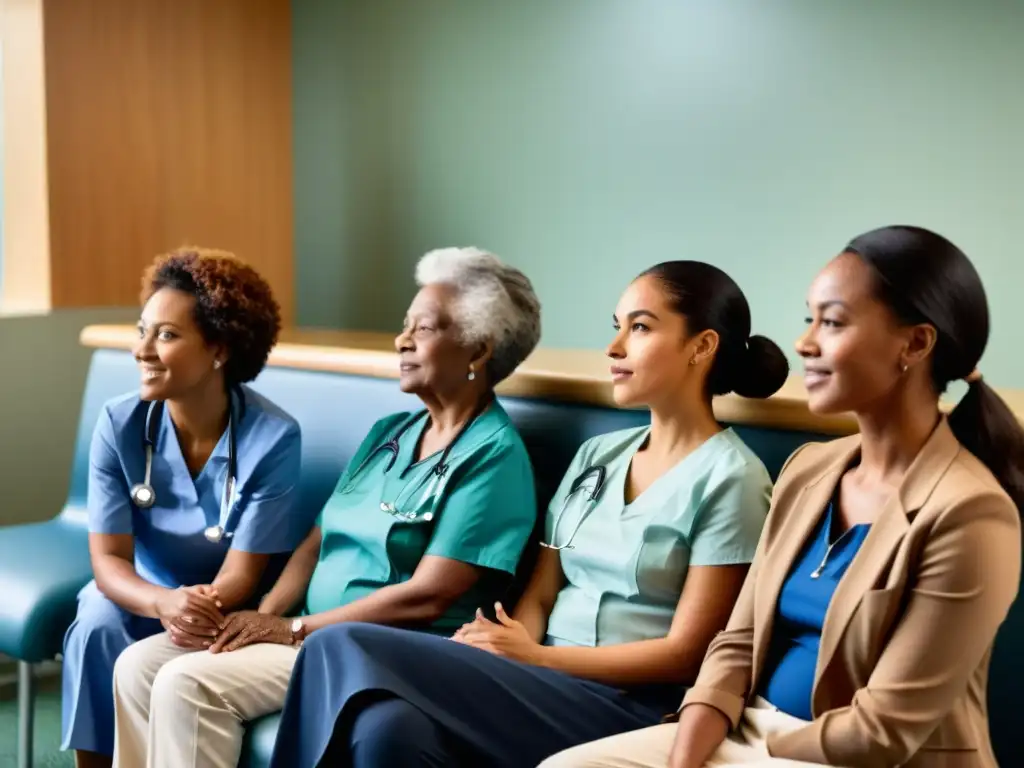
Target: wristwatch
298, 631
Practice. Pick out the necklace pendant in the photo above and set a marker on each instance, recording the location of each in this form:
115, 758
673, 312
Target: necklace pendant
816, 573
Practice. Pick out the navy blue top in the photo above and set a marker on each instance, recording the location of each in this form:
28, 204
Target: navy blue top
788, 677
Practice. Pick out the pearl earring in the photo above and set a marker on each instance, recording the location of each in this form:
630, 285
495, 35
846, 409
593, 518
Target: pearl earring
216, 365
472, 375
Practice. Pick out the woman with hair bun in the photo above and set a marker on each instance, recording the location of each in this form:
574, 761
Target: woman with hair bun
863, 634
647, 542
192, 483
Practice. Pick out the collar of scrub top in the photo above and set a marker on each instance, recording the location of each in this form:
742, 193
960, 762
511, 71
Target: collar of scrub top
392, 446
598, 471
143, 494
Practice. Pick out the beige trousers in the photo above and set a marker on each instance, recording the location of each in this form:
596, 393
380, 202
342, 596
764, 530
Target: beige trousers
651, 747
186, 709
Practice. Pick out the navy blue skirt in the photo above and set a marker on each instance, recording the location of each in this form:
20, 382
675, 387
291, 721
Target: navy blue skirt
491, 710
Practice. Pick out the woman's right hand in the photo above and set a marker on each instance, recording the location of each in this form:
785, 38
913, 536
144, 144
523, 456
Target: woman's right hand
191, 615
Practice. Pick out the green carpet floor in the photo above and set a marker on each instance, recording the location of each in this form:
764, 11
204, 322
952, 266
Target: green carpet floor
47, 752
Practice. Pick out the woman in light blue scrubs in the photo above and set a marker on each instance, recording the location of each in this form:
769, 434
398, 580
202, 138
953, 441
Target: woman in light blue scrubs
174, 547
428, 522
648, 541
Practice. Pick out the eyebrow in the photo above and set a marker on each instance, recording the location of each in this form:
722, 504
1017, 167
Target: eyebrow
159, 324
821, 306
636, 314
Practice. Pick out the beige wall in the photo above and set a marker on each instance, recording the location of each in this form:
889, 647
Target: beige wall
41, 385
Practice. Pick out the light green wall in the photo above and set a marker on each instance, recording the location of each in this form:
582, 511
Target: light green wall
584, 140
41, 386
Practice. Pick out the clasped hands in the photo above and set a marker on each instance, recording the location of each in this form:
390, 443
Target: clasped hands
506, 637
193, 619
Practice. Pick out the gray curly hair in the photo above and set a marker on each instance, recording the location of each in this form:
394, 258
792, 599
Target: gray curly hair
495, 303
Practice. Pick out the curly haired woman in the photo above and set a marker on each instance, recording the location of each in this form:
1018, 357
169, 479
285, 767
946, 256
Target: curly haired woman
192, 483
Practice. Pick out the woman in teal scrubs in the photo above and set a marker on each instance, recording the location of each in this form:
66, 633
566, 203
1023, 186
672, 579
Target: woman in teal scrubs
648, 540
158, 477
427, 523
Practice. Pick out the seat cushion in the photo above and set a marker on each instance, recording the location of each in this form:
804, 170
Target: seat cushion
42, 568
259, 742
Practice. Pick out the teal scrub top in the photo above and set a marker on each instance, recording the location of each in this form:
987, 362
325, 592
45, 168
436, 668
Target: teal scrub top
480, 512
628, 562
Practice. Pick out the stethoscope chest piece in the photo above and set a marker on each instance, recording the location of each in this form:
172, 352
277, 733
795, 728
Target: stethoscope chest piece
143, 495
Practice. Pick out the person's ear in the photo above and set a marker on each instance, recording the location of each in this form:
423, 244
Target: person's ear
481, 355
920, 344
705, 345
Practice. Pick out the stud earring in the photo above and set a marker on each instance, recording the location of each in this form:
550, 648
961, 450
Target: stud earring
693, 361
903, 368
216, 365
472, 375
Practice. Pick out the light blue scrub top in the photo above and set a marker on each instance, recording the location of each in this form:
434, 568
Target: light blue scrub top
480, 512
170, 548
626, 570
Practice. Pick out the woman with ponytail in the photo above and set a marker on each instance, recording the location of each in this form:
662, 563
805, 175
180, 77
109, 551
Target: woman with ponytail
889, 560
643, 562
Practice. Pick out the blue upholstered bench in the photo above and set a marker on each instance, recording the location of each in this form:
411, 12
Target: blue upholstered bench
42, 566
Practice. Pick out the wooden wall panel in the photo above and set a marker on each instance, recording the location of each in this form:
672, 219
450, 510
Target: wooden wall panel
169, 122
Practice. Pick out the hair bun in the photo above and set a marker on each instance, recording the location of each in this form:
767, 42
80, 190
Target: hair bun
762, 370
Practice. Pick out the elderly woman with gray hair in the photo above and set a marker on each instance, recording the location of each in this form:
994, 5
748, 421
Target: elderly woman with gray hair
427, 523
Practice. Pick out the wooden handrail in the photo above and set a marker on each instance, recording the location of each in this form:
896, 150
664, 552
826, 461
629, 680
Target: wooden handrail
566, 375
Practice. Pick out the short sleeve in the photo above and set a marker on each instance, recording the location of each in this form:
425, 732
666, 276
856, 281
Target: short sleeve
107, 497
729, 522
272, 521
489, 514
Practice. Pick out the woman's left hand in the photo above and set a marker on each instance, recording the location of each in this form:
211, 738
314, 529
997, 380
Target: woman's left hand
250, 627
507, 638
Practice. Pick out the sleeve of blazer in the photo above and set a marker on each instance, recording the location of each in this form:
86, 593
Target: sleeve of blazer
725, 674
967, 579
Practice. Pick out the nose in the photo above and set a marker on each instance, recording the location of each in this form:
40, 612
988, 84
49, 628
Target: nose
143, 349
403, 342
807, 345
616, 350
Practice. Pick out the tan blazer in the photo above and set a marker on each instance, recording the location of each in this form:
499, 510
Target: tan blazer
903, 664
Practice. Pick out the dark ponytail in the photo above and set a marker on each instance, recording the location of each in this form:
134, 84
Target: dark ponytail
924, 278
750, 366
985, 426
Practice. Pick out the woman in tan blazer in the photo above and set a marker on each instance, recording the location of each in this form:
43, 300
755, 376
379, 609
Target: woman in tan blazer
863, 633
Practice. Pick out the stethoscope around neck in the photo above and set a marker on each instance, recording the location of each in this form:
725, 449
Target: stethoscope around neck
598, 472
142, 494
437, 473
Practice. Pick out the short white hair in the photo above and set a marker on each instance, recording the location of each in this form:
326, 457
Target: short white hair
495, 303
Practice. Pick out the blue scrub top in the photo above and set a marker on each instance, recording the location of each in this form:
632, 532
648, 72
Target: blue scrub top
788, 679
170, 548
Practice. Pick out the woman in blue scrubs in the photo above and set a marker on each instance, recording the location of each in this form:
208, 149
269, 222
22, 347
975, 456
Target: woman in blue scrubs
172, 547
648, 540
427, 522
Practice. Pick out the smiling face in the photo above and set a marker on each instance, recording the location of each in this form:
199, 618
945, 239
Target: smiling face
854, 348
432, 355
174, 358
652, 348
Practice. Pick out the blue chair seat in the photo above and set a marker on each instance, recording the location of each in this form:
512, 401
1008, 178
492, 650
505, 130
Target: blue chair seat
259, 742
44, 567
